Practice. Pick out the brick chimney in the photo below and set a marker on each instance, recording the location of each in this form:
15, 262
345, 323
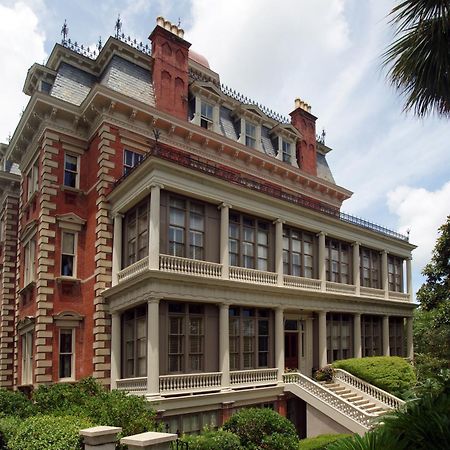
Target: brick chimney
170, 68
305, 122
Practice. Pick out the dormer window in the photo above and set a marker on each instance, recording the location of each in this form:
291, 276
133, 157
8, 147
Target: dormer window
206, 116
286, 152
250, 135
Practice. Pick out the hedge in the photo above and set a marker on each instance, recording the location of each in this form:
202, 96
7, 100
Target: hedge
212, 440
390, 373
14, 403
321, 442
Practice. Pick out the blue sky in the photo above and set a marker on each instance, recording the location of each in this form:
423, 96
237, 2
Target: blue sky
325, 51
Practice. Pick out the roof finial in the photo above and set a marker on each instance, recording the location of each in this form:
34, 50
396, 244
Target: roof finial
99, 43
64, 31
179, 22
118, 26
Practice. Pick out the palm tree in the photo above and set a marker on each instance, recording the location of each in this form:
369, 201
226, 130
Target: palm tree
419, 58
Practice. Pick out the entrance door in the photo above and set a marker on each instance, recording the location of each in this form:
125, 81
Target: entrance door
291, 350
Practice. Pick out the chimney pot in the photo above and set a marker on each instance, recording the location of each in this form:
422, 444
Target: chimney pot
297, 103
160, 21
174, 29
167, 25
180, 33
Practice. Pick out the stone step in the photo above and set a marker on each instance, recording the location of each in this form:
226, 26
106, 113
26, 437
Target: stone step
368, 406
374, 409
354, 399
349, 395
361, 402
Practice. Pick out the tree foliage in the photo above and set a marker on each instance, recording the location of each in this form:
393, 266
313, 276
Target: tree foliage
419, 58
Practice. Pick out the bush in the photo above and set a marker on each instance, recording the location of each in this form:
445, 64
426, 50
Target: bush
262, 428
8, 429
212, 440
324, 374
15, 403
321, 442
49, 433
390, 373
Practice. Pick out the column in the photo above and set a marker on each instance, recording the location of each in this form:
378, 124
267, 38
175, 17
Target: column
322, 268
279, 250
279, 342
409, 338
115, 349
357, 349
322, 338
384, 274
224, 345
258, 137
154, 227
409, 288
224, 231
386, 351
216, 118
117, 248
153, 347
198, 109
356, 268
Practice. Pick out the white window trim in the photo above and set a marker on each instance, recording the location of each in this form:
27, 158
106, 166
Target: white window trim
75, 248
27, 357
72, 356
29, 269
142, 155
77, 177
32, 177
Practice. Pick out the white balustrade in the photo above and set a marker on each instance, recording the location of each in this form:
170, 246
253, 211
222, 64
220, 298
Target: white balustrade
253, 275
398, 296
340, 287
188, 266
256, 377
376, 393
189, 383
133, 385
317, 390
302, 283
371, 292
133, 270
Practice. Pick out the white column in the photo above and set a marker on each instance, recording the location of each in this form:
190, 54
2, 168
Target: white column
386, 350
216, 118
322, 338
279, 342
356, 268
357, 350
409, 288
409, 338
154, 227
115, 349
258, 137
224, 345
117, 248
242, 134
384, 274
322, 268
153, 347
224, 243
279, 250
198, 110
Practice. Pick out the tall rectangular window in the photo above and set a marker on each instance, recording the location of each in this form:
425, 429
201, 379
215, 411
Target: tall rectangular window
286, 152
32, 180
136, 234
131, 159
27, 358
71, 170
371, 335
396, 336
206, 115
250, 134
395, 273
370, 268
337, 261
298, 253
29, 262
134, 342
68, 260
66, 353
339, 336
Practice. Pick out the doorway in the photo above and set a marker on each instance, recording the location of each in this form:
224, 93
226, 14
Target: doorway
291, 349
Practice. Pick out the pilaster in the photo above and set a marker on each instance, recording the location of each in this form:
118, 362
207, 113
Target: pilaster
117, 248
279, 251
154, 227
224, 243
153, 347
224, 345
357, 349
384, 274
322, 338
356, 268
322, 260
279, 342
386, 350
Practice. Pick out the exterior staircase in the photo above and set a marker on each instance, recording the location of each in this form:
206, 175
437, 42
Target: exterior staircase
348, 400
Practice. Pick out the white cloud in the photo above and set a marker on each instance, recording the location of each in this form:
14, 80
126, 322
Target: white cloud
21, 45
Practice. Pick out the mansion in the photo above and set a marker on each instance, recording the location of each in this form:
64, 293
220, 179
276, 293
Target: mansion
174, 239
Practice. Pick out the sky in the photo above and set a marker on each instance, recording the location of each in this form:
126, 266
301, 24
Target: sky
327, 52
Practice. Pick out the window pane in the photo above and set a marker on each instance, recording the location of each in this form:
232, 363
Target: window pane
68, 243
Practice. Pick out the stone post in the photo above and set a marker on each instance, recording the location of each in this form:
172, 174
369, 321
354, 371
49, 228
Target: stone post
151, 440
100, 438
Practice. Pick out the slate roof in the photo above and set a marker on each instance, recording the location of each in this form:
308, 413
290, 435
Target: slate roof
323, 170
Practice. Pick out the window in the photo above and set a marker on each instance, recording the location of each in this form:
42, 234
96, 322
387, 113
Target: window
32, 180
371, 335
186, 224
27, 358
339, 337
192, 423
337, 261
29, 262
286, 152
370, 268
298, 253
396, 337
248, 242
71, 171
250, 134
206, 115
249, 338
395, 273
131, 159
134, 342
136, 234
68, 260
66, 353
186, 331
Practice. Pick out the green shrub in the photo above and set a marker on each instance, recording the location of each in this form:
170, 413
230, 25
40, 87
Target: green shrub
262, 428
324, 374
213, 440
390, 373
8, 429
15, 403
321, 442
49, 433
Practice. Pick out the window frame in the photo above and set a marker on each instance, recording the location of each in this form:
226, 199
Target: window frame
373, 268
26, 341
341, 263
29, 260
250, 137
206, 122
395, 276
76, 172
286, 156
336, 324
136, 159
289, 252
134, 214
71, 353
32, 178
65, 231
371, 335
